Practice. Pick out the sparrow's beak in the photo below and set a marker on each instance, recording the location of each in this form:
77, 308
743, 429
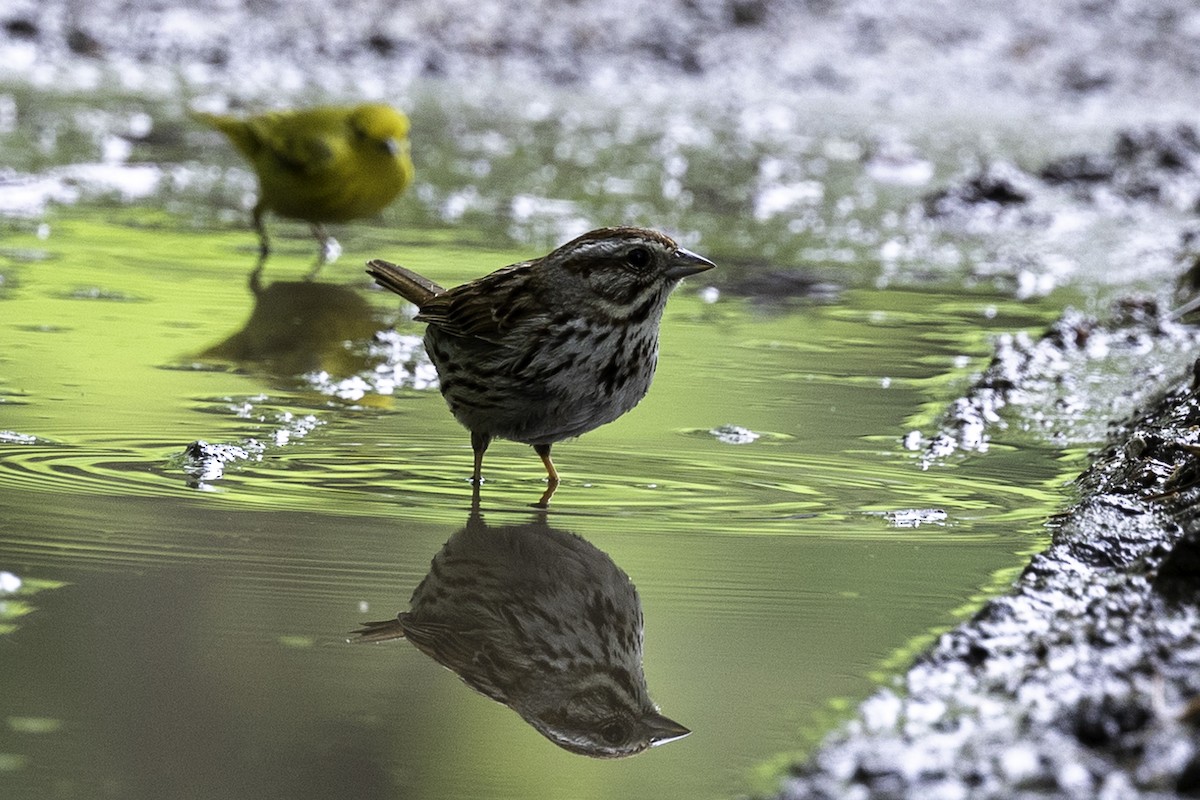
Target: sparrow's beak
684, 262
662, 729
391, 146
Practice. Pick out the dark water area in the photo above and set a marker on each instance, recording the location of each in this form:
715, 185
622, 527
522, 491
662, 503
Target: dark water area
206, 486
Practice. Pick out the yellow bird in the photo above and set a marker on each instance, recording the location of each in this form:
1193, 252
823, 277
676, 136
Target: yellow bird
323, 164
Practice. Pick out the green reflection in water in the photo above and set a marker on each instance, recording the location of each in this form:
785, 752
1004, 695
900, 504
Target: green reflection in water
211, 616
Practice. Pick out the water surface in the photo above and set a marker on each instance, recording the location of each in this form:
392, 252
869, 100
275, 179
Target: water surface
183, 635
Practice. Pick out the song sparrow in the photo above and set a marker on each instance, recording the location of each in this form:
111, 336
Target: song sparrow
549, 349
542, 621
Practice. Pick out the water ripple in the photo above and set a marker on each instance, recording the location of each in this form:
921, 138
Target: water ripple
94, 468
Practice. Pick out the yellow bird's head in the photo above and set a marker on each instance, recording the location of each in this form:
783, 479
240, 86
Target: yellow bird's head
381, 125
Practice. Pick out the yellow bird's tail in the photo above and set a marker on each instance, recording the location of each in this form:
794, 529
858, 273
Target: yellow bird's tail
235, 129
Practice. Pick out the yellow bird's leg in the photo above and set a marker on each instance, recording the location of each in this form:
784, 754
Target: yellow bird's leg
543, 450
329, 252
264, 245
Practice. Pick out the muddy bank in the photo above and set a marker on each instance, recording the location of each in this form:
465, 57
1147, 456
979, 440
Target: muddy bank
1083, 681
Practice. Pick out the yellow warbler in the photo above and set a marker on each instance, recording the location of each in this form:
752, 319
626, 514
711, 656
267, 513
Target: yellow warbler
323, 164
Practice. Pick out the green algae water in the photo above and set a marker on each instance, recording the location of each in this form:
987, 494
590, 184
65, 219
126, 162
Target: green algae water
180, 630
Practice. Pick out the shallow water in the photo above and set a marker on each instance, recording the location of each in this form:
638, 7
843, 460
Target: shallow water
183, 634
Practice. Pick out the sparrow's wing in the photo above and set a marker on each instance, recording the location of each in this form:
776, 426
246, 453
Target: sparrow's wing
488, 308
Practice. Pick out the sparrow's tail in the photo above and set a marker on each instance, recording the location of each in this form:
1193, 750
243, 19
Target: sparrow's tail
379, 631
414, 288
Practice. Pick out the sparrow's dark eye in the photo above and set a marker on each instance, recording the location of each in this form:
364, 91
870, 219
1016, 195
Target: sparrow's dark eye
638, 258
613, 732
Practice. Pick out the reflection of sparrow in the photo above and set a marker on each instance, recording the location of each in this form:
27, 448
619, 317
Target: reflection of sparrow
323, 164
542, 621
549, 349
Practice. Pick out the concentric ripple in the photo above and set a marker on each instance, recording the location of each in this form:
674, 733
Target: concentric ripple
117, 469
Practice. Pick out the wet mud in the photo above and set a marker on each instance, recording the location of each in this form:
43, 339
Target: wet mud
1054, 385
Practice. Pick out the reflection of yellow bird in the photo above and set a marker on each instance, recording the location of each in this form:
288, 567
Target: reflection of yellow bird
324, 164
